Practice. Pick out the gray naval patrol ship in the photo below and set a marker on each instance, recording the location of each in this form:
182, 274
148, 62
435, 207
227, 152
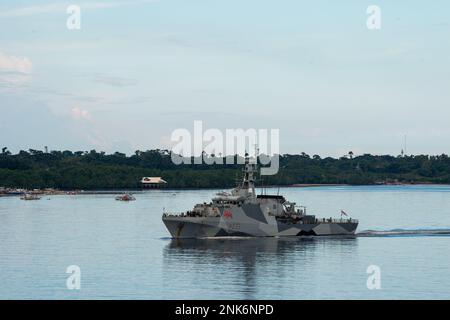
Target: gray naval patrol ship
242, 213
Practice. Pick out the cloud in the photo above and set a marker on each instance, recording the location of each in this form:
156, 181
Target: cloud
12, 64
14, 71
59, 7
12, 81
32, 10
80, 114
113, 4
114, 81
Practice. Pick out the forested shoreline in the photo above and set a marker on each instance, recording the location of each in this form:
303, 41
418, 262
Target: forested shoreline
92, 170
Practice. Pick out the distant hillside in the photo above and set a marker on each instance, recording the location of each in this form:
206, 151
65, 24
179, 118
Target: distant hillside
97, 170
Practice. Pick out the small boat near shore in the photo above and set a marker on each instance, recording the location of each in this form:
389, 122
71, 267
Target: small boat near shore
125, 197
29, 196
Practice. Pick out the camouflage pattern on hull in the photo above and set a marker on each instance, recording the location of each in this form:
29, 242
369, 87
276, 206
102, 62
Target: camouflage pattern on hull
242, 213
206, 227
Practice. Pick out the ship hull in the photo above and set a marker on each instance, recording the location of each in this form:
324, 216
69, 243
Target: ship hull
209, 227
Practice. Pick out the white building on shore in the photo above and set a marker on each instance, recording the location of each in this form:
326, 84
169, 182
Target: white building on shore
153, 182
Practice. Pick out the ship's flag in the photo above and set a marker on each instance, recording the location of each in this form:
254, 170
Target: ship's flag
344, 213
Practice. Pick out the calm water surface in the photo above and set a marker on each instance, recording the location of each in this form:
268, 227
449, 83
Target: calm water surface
125, 252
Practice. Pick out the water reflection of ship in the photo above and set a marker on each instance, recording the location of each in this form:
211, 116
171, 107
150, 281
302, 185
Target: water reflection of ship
248, 255
249, 246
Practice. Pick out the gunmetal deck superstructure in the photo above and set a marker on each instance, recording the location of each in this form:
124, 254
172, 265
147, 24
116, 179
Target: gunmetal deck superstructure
243, 213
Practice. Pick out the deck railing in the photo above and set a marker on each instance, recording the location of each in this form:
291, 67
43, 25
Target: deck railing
331, 220
317, 220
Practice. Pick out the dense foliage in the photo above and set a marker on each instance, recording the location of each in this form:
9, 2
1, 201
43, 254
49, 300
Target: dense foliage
97, 170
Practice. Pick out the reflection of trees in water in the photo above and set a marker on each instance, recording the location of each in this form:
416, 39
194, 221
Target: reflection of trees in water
247, 260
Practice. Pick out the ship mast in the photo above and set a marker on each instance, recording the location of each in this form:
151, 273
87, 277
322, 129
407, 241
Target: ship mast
248, 182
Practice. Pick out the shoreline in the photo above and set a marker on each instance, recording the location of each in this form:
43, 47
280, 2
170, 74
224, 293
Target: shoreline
9, 192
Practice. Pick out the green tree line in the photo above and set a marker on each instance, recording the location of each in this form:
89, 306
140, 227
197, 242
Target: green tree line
91, 170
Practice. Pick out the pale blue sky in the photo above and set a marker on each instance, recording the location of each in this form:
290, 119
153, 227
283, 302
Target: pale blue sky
139, 69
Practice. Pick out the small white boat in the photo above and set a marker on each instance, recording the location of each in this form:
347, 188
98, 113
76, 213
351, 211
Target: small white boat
29, 196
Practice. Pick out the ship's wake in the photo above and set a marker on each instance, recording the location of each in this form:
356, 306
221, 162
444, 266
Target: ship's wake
404, 233
365, 233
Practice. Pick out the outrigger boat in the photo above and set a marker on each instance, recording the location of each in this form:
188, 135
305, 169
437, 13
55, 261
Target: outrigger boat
125, 197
